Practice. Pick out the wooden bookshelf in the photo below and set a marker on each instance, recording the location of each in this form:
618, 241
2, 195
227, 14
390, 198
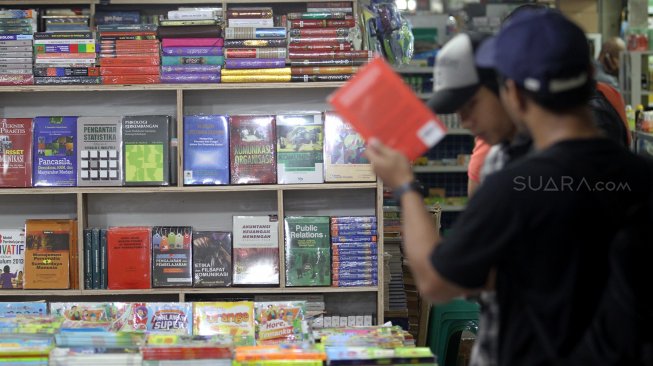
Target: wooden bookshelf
172, 87
179, 204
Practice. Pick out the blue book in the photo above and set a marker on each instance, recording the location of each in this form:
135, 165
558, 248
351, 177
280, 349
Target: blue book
31, 308
55, 156
206, 150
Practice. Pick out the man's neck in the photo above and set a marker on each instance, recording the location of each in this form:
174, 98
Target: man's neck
549, 128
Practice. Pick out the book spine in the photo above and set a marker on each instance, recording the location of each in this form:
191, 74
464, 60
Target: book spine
331, 40
191, 15
15, 60
249, 13
103, 259
192, 42
255, 33
317, 15
186, 22
17, 38
336, 62
67, 56
15, 49
192, 51
243, 72
16, 79
353, 232
4, 67
17, 14
16, 71
68, 80
65, 48
182, 69
321, 9
11, 54
104, 39
353, 220
253, 43
120, 71
131, 79
354, 283
131, 61
63, 35
105, 35
353, 226
255, 53
326, 70
88, 259
260, 23
322, 23
256, 79
320, 55
10, 43
192, 60
319, 32
254, 63
330, 4
45, 42
318, 78
95, 245
189, 78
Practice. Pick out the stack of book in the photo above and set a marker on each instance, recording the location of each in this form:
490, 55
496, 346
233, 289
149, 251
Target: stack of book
418, 356
302, 354
167, 349
25, 349
192, 46
255, 49
90, 346
354, 251
321, 46
66, 20
117, 17
129, 54
65, 58
16, 28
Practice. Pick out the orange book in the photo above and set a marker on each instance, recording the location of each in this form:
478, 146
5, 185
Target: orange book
377, 103
50, 250
129, 253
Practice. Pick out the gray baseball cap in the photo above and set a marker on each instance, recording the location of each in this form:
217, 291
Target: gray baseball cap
456, 77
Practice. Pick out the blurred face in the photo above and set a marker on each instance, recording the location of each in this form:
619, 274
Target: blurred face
486, 118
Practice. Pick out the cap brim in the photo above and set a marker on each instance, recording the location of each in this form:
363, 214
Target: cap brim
450, 100
486, 52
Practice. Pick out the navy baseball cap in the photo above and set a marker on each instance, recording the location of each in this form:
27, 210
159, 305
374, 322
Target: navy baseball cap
542, 51
456, 77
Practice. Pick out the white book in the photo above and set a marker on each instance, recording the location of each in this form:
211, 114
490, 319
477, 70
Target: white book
251, 22
99, 151
300, 143
191, 14
12, 258
256, 250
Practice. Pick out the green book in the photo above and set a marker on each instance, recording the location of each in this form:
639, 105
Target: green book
88, 259
146, 150
95, 247
308, 252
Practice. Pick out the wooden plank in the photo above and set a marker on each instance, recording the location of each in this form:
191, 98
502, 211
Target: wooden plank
155, 87
282, 244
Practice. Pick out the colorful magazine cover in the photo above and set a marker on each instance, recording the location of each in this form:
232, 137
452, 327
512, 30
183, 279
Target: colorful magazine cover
280, 322
230, 318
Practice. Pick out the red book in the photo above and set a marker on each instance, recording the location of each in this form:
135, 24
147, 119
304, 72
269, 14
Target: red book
378, 103
129, 253
253, 153
16, 152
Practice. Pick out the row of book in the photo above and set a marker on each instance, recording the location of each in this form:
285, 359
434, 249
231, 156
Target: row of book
321, 44
218, 150
359, 345
44, 255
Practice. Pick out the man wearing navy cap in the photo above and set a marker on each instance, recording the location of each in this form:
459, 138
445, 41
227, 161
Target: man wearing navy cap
539, 232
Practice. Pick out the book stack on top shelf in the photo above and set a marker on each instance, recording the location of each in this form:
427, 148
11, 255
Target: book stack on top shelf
254, 47
16, 29
64, 58
191, 46
129, 54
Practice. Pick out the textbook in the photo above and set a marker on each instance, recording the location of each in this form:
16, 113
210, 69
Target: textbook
377, 103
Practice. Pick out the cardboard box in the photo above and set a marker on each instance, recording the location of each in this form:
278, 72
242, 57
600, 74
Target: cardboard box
578, 6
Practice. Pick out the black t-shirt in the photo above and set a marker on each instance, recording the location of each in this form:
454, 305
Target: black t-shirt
545, 223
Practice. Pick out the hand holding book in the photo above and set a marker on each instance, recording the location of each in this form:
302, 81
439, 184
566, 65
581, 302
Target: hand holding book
377, 103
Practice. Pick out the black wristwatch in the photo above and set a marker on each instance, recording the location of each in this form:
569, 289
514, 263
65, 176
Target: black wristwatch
413, 185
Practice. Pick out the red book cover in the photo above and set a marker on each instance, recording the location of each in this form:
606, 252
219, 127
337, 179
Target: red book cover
253, 152
129, 253
377, 103
16, 152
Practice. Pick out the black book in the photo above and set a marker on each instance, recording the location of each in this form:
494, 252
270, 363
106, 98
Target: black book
211, 259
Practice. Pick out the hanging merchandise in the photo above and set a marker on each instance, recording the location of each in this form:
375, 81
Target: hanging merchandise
388, 32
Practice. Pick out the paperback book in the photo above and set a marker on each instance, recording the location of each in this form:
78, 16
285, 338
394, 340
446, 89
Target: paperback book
12, 258
308, 251
55, 158
146, 146
99, 154
253, 154
300, 139
256, 250
15, 152
171, 256
211, 259
206, 150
